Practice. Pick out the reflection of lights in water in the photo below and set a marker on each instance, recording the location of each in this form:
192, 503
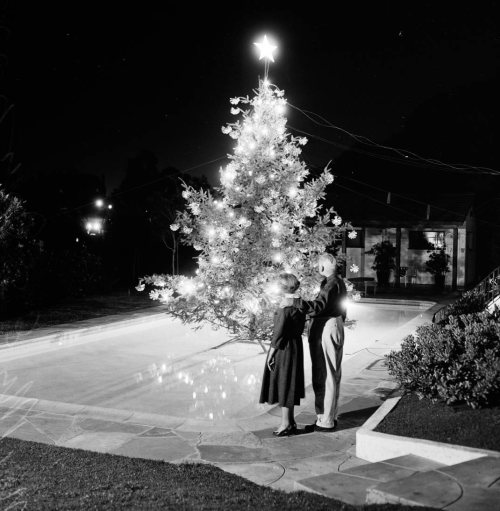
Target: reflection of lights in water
152, 369
216, 379
251, 379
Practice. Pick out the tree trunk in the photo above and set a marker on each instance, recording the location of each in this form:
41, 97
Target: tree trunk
251, 327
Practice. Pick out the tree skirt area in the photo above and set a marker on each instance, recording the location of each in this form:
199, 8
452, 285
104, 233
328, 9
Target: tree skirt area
459, 425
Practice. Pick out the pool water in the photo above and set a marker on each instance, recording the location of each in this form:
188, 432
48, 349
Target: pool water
167, 368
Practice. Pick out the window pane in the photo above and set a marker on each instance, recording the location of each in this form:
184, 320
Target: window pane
358, 241
426, 240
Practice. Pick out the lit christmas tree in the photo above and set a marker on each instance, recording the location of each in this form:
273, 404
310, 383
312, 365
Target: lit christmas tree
256, 229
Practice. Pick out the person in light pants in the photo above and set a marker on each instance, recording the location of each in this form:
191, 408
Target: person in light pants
326, 341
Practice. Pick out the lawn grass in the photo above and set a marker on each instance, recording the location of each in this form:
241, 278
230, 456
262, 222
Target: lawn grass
78, 309
459, 425
44, 477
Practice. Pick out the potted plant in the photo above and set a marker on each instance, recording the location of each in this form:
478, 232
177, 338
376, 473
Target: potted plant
385, 260
437, 264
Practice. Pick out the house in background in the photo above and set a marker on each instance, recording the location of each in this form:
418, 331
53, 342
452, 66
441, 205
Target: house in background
412, 223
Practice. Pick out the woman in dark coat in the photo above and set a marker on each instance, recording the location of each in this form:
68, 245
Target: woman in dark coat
283, 380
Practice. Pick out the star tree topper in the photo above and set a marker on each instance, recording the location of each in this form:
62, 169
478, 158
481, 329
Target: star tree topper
266, 49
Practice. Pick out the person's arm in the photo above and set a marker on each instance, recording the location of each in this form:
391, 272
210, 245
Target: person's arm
326, 298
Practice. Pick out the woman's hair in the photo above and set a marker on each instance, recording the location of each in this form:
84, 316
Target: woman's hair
288, 283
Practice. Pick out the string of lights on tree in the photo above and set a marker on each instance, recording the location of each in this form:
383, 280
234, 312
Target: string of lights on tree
258, 226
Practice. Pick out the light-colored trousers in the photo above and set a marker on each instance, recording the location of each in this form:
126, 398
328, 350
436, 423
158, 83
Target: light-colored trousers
326, 345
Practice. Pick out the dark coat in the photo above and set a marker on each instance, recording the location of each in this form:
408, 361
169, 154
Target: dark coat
285, 385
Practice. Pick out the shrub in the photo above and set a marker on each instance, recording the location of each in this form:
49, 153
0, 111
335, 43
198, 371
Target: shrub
455, 362
18, 253
470, 302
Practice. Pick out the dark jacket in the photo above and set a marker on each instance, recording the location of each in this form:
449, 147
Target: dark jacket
330, 300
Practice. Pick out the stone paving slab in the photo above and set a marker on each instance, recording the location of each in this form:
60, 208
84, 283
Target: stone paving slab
26, 431
160, 448
305, 446
259, 473
10, 423
234, 454
192, 437
481, 472
338, 486
415, 462
380, 472
91, 424
244, 438
53, 427
477, 499
265, 421
155, 432
152, 419
296, 470
431, 489
97, 441
209, 426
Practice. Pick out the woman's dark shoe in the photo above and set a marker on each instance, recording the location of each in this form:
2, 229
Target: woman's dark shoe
286, 432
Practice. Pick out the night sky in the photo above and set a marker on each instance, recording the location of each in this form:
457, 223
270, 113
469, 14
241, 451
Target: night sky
93, 85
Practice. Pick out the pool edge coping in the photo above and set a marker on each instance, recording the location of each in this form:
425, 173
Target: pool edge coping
77, 329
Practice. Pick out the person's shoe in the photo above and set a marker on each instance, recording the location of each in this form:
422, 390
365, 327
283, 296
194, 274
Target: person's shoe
286, 432
310, 427
321, 429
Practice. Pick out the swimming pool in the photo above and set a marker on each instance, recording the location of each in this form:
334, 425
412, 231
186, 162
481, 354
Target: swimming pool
167, 368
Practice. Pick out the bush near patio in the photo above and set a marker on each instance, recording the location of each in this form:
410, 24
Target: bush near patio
455, 361
469, 303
